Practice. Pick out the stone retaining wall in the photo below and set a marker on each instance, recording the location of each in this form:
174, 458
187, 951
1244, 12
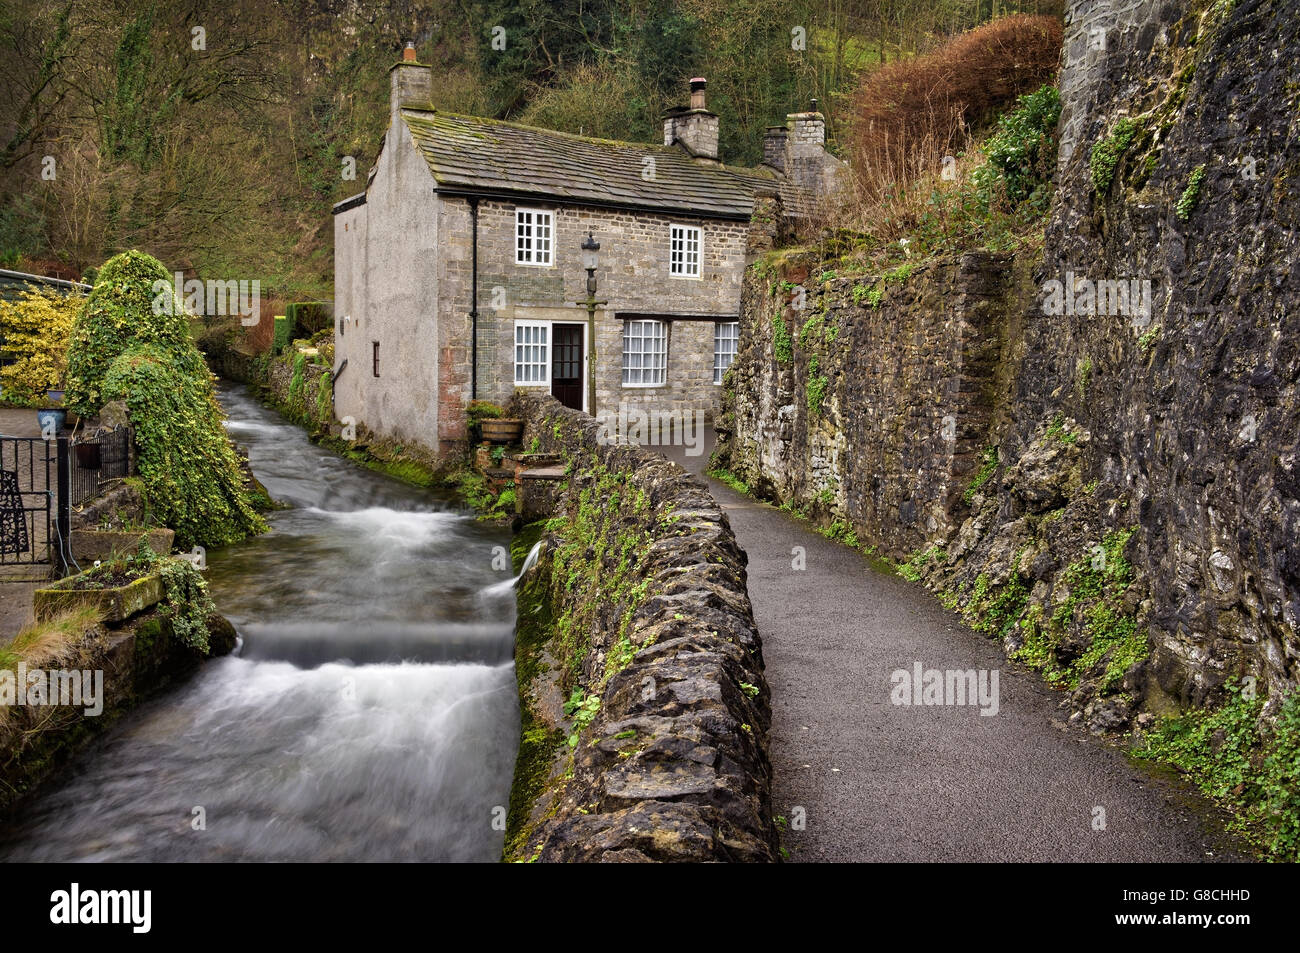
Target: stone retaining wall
138, 657
1131, 529
637, 616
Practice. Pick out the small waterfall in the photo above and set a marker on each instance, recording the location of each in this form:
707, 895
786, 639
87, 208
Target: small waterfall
533, 555
499, 589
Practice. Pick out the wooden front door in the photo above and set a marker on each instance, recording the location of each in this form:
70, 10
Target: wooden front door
566, 364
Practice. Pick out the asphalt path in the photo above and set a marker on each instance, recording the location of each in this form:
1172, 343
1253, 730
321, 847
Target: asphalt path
860, 777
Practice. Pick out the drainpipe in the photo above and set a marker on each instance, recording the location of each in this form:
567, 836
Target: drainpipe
473, 307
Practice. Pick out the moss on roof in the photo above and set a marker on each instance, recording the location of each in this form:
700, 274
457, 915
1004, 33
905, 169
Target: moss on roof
493, 155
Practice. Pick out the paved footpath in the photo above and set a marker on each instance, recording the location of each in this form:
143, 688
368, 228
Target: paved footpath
884, 782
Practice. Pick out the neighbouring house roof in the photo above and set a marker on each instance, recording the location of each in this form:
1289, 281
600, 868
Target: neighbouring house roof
13, 283
476, 155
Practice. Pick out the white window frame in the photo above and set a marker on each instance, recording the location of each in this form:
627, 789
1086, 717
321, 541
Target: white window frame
528, 223
679, 258
663, 353
720, 372
544, 345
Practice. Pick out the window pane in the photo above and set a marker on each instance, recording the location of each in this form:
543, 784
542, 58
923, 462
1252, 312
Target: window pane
531, 353
645, 357
725, 337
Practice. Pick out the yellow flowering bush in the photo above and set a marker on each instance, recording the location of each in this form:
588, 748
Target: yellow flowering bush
35, 329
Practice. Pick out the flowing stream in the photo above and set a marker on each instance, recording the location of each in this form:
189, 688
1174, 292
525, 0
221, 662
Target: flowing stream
370, 712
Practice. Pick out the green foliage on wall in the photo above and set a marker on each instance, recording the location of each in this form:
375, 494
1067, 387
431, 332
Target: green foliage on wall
1192, 194
1021, 154
782, 343
986, 470
1107, 153
1250, 766
187, 463
817, 386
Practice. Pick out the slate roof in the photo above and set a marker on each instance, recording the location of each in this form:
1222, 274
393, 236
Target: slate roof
474, 154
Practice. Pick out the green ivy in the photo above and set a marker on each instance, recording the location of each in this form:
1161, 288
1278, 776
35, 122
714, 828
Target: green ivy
782, 345
1107, 153
817, 385
186, 461
1192, 194
119, 314
186, 602
1020, 155
986, 470
914, 567
1250, 767
126, 346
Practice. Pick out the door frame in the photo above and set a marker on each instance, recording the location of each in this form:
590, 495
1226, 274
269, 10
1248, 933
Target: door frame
584, 380
550, 342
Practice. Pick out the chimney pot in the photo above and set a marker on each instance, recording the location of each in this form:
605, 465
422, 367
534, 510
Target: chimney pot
408, 54
697, 92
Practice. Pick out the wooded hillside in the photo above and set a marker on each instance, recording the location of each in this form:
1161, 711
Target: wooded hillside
215, 135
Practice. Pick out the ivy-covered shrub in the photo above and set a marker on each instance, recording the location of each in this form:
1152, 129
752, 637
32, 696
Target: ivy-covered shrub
119, 314
187, 463
1021, 154
125, 348
35, 328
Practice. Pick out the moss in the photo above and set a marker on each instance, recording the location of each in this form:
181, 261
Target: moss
538, 744
1083, 377
986, 470
147, 635
592, 574
731, 480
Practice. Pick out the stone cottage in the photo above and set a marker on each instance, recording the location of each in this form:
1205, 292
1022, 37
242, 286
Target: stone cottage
459, 270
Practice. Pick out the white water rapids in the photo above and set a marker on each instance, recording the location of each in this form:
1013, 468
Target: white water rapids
369, 714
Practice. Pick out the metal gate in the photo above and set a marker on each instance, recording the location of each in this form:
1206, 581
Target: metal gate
35, 505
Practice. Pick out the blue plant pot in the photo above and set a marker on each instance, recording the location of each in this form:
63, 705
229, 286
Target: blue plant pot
47, 417
55, 395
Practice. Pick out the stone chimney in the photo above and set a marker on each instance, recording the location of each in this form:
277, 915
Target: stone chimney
774, 147
410, 84
807, 130
693, 127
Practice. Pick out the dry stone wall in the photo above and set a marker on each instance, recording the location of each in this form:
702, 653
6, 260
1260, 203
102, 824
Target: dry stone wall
636, 615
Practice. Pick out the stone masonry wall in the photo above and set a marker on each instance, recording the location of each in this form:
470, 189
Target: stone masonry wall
633, 277
876, 415
637, 614
1194, 412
